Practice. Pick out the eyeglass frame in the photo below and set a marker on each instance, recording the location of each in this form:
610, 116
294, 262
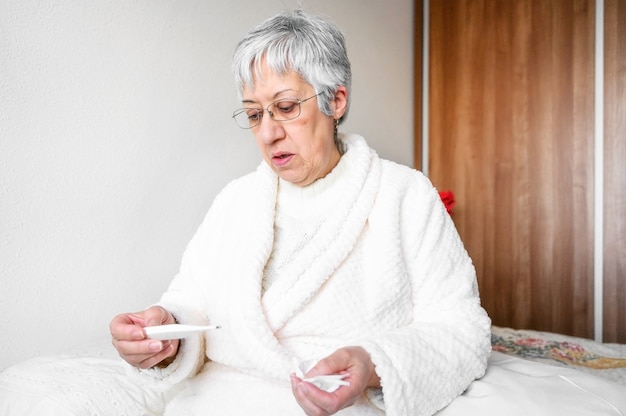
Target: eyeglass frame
271, 113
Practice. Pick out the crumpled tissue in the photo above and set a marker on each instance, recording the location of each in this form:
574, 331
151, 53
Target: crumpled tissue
328, 383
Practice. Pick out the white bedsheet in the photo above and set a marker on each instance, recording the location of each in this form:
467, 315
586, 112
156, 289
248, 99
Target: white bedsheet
94, 382
513, 386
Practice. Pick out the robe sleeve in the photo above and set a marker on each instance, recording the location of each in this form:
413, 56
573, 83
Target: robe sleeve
201, 292
423, 366
186, 298
182, 300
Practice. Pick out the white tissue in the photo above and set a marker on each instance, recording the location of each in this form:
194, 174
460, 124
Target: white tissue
328, 383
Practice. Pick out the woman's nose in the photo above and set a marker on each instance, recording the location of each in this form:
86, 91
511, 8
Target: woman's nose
269, 130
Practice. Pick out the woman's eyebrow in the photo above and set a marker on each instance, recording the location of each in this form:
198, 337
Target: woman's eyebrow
273, 97
283, 91
248, 102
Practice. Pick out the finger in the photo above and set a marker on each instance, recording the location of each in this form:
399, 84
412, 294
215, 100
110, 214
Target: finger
319, 399
299, 389
155, 359
145, 353
339, 399
157, 315
130, 318
335, 363
143, 347
127, 327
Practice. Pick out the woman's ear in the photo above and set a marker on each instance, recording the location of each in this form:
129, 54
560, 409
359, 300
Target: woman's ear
340, 102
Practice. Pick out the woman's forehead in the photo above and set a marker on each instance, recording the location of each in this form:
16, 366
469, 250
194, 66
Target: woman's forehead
268, 84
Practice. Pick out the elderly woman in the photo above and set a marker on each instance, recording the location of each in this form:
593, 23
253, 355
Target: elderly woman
325, 252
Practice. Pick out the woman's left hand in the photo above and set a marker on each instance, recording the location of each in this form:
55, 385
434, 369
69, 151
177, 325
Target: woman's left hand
352, 360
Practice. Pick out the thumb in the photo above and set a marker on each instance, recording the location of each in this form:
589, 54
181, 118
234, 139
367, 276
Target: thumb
157, 315
325, 366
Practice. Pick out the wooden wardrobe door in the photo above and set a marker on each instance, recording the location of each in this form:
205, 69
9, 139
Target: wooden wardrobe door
511, 134
614, 172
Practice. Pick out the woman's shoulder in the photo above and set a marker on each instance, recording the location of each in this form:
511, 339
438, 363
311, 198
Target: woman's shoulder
260, 183
396, 180
404, 177
262, 174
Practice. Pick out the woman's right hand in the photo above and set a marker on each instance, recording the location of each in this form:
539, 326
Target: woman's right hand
130, 341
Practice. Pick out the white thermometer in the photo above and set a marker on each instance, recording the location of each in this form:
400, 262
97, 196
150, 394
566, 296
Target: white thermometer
176, 331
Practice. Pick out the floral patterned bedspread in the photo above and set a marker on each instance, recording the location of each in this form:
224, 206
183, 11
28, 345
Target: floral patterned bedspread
603, 359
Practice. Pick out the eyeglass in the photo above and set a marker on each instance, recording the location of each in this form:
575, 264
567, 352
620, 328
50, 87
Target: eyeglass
280, 110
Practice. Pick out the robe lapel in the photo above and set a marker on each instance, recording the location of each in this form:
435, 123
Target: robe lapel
246, 310
258, 317
303, 278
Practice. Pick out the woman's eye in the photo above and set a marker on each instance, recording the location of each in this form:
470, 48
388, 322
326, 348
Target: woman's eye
253, 115
286, 107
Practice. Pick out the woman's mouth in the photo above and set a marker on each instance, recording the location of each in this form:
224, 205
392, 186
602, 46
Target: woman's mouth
281, 159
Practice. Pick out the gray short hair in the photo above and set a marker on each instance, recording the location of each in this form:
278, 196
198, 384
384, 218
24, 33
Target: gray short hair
296, 41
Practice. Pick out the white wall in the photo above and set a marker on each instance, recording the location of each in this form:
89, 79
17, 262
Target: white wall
115, 135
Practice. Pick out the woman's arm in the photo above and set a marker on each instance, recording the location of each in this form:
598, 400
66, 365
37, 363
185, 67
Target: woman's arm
426, 363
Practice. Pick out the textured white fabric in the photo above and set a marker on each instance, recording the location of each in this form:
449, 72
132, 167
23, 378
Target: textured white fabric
96, 383
300, 213
386, 270
92, 381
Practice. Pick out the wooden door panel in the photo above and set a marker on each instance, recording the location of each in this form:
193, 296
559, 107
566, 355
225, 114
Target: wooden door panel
614, 172
511, 133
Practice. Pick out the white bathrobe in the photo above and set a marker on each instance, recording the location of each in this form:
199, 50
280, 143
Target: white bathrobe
386, 271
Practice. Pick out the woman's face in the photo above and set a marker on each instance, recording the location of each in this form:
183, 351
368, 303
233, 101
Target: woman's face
301, 150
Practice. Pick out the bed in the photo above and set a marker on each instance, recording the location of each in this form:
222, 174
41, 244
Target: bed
543, 373
529, 373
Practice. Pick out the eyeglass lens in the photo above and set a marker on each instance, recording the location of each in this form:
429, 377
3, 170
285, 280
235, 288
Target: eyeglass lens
281, 110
